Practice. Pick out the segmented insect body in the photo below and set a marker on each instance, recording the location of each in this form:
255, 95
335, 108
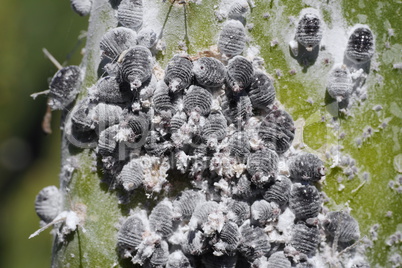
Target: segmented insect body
106, 143
239, 211
197, 99
108, 90
279, 191
342, 225
139, 124
64, 87
309, 31
81, 116
154, 145
161, 218
178, 260
360, 46
136, 66
117, 40
48, 203
211, 261
130, 234
131, 176
306, 167
230, 237
263, 212
254, 243
130, 13
215, 127
239, 145
263, 166
160, 255
340, 83
81, 7
243, 188
147, 37
178, 74
161, 98
305, 239
239, 73
209, 72
261, 91
106, 115
232, 38
243, 109
196, 243
304, 201
277, 131
278, 260
238, 11
177, 121
201, 212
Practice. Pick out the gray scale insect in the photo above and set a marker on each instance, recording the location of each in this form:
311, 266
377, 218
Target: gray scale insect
106, 143
178, 74
106, 115
154, 144
243, 109
230, 237
147, 37
232, 38
238, 11
64, 87
197, 99
81, 115
239, 145
48, 203
201, 213
161, 218
360, 46
279, 192
340, 224
215, 127
131, 175
261, 91
309, 31
130, 14
211, 261
160, 256
195, 244
177, 259
278, 260
340, 84
263, 212
306, 167
277, 131
139, 124
108, 90
81, 7
130, 234
239, 211
187, 202
254, 242
239, 73
117, 40
161, 98
243, 188
305, 239
262, 165
177, 121
136, 66
209, 72
304, 201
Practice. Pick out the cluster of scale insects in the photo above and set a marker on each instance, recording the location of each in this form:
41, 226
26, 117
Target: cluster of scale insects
254, 200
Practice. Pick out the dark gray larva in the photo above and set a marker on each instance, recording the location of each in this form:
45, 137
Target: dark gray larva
305, 239
130, 14
139, 124
178, 74
64, 87
136, 66
81, 7
304, 201
209, 72
262, 165
239, 211
243, 109
239, 145
211, 261
177, 121
161, 98
195, 244
160, 255
238, 10
278, 260
229, 238
263, 212
48, 203
117, 40
108, 90
279, 191
81, 115
340, 224
239, 73
261, 91
161, 218
360, 46
309, 31
201, 213
106, 115
277, 130
306, 167
215, 127
197, 99
232, 38
106, 143
243, 188
254, 242
131, 176
178, 260
340, 83
147, 37
130, 234
154, 144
